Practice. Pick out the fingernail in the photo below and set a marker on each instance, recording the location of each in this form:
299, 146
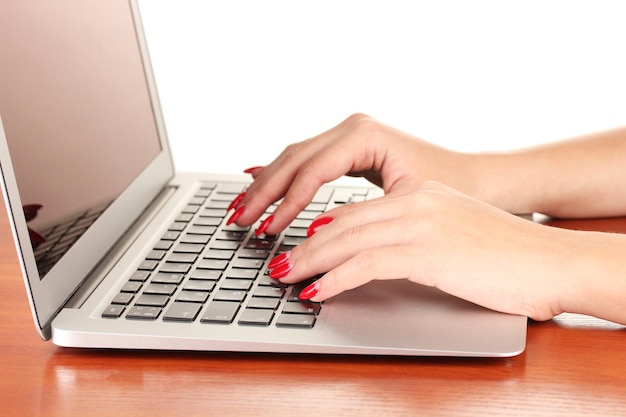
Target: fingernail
279, 260
232, 219
310, 291
281, 271
317, 225
252, 169
264, 225
236, 201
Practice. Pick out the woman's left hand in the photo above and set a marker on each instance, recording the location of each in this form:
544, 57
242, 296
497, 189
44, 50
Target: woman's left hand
439, 237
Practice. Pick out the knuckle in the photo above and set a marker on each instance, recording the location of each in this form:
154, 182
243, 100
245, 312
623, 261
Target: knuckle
350, 235
366, 261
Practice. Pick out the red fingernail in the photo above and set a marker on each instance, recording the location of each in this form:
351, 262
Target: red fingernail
279, 260
232, 219
236, 201
281, 271
318, 224
264, 225
252, 169
310, 291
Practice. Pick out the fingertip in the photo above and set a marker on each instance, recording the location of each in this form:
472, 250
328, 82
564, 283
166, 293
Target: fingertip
309, 293
254, 171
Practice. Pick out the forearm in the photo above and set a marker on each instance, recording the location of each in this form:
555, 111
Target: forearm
580, 177
593, 279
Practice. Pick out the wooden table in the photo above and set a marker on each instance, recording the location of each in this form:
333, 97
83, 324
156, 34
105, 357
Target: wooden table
573, 365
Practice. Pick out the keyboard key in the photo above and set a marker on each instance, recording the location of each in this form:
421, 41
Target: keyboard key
300, 224
263, 303
230, 295
219, 254
228, 188
123, 298
248, 263
295, 320
148, 265
175, 268
255, 243
225, 245
189, 248
163, 278
217, 205
220, 312
199, 285
236, 284
210, 212
254, 253
201, 230
155, 255
296, 232
184, 217
182, 258
113, 311
230, 235
139, 276
132, 286
169, 235
197, 201
302, 308
211, 274
193, 296
243, 273
143, 313
202, 239
266, 281
180, 311
257, 317
318, 207
163, 245
269, 292
292, 240
177, 226
212, 264
160, 289
152, 300
207, 221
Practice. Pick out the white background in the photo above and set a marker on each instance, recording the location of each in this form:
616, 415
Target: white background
250, 77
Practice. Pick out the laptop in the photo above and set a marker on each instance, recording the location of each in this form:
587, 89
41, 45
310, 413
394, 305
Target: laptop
118, 250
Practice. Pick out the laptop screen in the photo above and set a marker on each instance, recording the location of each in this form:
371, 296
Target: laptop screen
76, 111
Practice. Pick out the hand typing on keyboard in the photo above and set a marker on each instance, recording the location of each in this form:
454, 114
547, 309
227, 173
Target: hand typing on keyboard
459, 237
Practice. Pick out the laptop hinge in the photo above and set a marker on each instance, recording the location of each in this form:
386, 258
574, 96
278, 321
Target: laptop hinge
101, 270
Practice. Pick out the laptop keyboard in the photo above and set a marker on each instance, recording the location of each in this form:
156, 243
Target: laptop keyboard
204, 270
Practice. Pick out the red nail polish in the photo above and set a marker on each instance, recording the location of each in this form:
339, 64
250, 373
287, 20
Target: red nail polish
232, 219
310, 291
279, 260
252, 169
318, 224
264, 225
281, 271
236, 201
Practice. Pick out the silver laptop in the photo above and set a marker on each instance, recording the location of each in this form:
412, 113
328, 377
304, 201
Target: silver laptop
119, 251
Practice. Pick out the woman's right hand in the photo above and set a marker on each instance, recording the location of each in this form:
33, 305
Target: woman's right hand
359, 146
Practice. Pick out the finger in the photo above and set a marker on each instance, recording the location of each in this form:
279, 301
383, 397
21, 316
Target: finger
354, 152
254, 171
274, 180
340, 241
389, 262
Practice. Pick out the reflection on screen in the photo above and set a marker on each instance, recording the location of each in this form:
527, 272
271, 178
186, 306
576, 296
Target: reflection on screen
76, 112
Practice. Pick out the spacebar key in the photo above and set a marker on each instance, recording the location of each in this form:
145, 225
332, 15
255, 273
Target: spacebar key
220, 312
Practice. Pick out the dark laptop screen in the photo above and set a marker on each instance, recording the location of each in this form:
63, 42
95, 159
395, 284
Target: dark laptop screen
76, 113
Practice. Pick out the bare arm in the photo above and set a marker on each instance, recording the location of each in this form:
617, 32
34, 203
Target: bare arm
580, 177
